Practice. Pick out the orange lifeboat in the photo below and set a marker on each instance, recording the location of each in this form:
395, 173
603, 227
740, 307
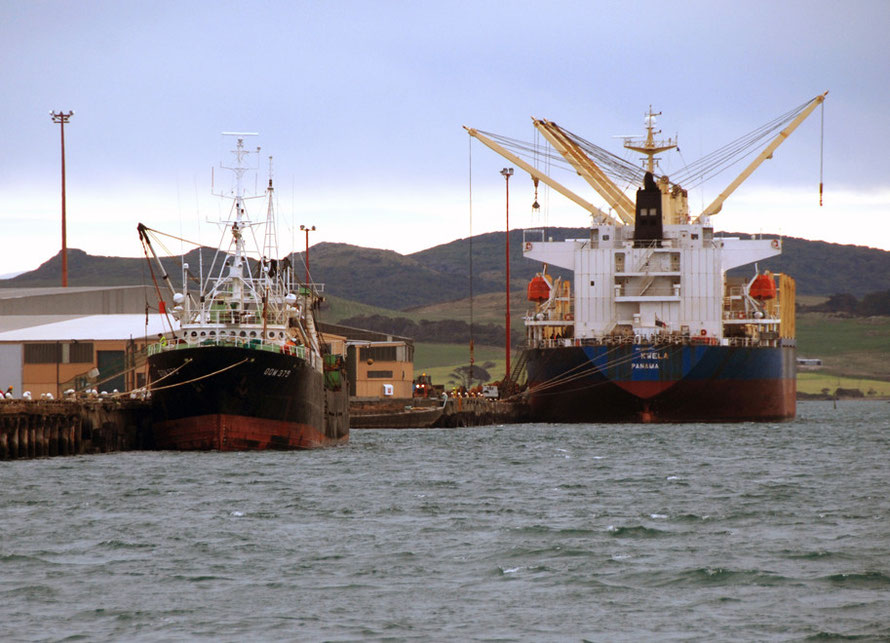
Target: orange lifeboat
763, 287
538, 289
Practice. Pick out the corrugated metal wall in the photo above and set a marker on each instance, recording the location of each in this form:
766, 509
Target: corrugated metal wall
11, 368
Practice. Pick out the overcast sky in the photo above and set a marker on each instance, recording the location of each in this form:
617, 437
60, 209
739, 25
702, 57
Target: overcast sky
361, 105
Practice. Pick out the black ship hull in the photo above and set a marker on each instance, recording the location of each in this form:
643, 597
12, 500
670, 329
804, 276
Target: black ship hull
231, 398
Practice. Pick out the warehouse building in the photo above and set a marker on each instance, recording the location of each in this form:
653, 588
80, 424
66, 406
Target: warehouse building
54, 339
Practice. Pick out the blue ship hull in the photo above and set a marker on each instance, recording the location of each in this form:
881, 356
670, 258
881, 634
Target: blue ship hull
662, 383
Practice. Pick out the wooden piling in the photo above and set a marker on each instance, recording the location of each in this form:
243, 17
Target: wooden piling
53, 438
43, 428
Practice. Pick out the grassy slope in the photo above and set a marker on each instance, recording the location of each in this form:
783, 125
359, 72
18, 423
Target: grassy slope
815, 382
488, 308
857, 347
439, 360
337, 308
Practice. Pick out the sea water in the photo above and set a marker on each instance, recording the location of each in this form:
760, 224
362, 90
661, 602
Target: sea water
523, 532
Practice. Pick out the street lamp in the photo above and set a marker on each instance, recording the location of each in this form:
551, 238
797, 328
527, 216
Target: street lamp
507, 172
61, 118
307, 230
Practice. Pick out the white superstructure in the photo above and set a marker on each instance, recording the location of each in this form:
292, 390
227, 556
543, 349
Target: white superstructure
648, 271
675, 287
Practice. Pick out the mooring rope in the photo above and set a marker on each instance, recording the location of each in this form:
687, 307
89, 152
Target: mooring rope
568, 377
195, 379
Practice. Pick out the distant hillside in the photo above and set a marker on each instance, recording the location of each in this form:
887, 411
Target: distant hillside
384, 278
387, 279
820, 268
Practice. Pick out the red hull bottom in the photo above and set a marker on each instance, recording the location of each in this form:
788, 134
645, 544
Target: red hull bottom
687, 401
224, 432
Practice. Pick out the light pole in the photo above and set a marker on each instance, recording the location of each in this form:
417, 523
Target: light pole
307, 230
61, 118
507, 172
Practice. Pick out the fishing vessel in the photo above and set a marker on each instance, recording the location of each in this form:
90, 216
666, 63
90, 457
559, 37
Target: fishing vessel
654, 330
244, 366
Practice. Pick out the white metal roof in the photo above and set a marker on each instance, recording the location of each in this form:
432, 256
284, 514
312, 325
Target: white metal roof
38, 291
82, 328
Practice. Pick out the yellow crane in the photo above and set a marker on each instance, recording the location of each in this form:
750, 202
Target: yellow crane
675, 208
587, 169
598, 214
717, 204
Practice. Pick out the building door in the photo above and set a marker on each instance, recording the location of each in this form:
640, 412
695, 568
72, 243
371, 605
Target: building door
111, 363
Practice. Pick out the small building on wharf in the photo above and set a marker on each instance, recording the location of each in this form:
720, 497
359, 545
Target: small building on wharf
55, 339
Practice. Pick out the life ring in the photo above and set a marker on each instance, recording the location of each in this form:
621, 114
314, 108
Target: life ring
569, 317
775, 243
740, 315
528, 246
704, 332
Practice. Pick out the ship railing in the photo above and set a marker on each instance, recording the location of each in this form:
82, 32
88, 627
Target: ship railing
753, 342
235, 317
235, 342
661, 339
531, 235
308, 289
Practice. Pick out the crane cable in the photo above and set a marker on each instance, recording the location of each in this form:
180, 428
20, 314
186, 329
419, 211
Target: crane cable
821, 151
470, 184
696, 173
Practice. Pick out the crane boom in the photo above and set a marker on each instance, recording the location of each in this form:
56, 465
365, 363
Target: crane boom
717, 204
143, 236
588, 170
542, 177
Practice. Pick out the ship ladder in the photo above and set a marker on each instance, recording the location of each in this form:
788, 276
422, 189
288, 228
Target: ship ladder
519, 376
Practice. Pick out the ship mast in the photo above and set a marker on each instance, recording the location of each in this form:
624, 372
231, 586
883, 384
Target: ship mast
650, 147
236, 271
270, 243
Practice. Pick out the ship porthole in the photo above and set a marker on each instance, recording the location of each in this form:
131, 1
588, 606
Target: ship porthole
203, 334
243, 334
194, 334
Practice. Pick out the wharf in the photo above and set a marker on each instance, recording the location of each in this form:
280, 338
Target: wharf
419, 413
41, 428
47, 428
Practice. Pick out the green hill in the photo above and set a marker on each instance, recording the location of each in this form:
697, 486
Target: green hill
432, 286
387, 279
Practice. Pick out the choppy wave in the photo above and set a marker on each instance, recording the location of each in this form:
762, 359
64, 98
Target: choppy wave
637, 531
715, 532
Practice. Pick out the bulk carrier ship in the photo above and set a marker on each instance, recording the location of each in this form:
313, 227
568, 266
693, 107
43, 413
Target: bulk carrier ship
654, 330
247, 368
